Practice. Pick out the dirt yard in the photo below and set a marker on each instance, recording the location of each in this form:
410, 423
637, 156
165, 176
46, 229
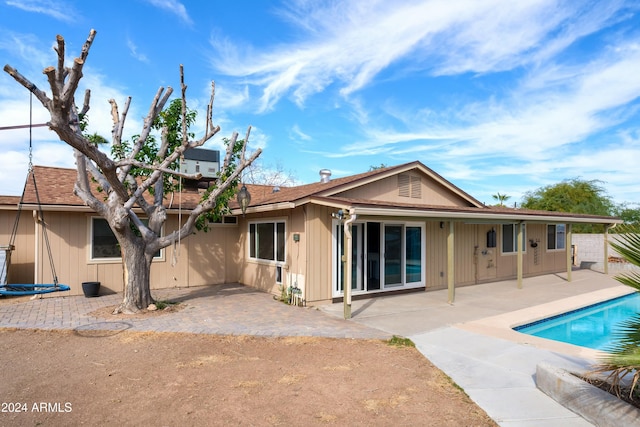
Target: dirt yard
125, 378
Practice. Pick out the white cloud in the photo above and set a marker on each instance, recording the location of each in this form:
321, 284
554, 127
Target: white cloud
175, 7
135, 53
296, 134
351, 43
540, 119
57, 9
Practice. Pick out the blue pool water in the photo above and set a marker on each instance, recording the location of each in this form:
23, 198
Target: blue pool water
593, 326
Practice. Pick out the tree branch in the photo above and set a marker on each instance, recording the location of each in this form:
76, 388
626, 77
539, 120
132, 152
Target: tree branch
41, 95
69, 89
210, 202
62, 72
143, 165
85, 104
82, 187
155, 109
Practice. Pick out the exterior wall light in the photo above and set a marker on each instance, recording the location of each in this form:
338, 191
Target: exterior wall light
244, 198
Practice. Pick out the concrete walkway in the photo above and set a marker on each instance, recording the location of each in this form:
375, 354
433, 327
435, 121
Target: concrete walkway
471, 340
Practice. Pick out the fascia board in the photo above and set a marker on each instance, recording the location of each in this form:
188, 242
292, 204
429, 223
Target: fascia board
265, 208
484, 217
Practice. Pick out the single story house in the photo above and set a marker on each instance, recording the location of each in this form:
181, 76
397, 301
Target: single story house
410, 229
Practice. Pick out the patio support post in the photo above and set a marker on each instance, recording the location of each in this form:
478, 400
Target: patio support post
519, 254
450, 264
348, 266
606, 249
567, 247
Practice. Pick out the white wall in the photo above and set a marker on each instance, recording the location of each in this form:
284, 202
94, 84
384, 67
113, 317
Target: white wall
590, 252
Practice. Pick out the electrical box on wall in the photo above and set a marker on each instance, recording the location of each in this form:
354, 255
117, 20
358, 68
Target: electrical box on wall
296, 237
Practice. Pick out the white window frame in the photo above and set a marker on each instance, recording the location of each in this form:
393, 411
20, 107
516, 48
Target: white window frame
336, 293
273, 221
108, 260
225, 221
556, 235
515, 239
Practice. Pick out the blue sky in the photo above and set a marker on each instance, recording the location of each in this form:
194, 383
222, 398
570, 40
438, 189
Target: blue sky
495, 96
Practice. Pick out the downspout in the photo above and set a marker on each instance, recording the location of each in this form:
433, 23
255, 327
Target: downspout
348, 262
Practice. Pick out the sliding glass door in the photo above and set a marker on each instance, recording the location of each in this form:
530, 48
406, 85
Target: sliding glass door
392, 255
383, 257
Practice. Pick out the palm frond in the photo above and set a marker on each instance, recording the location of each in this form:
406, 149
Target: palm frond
622, 361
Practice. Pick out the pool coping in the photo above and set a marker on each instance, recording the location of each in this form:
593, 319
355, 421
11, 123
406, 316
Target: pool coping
501, 326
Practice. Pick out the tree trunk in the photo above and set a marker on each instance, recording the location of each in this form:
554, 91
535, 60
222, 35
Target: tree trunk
137, 268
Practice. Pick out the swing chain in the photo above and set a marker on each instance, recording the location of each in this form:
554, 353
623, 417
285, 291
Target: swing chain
30, 133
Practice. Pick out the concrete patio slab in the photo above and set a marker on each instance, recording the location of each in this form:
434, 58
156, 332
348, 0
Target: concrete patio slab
472, 339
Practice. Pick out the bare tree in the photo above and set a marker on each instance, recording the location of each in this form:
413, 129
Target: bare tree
122, 195
271, 175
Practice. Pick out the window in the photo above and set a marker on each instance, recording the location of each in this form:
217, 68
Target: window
556, 236
103, 241
266, 241
227, 220
104, 244
510, 238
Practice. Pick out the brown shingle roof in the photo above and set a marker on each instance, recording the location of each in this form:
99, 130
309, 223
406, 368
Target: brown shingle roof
9, 200
289, 194
55, 187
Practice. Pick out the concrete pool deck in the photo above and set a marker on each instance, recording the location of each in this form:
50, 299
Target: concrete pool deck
473, 343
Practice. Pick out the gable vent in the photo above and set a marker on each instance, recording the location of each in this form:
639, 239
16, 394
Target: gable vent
404, 185
409, 186
416, 188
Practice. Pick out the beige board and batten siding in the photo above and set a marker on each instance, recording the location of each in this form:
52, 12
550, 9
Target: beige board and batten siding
407, 188
212, 258
22, 261
477, 263
436, 255
319, 252
262, 274
202, 258
543, 262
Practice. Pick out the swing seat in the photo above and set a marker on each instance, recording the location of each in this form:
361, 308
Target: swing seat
31, 289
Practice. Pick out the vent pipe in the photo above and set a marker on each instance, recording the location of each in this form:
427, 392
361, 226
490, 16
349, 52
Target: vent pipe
325, 175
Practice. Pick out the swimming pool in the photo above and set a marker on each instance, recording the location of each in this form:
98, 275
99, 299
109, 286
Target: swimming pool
593, 326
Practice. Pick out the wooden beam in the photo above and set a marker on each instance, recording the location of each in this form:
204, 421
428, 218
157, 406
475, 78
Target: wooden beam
348, 266
451, 264
606, 249
519, 242
567, 246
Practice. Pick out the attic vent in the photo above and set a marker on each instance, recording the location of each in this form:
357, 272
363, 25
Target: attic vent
409, 186
325, 175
